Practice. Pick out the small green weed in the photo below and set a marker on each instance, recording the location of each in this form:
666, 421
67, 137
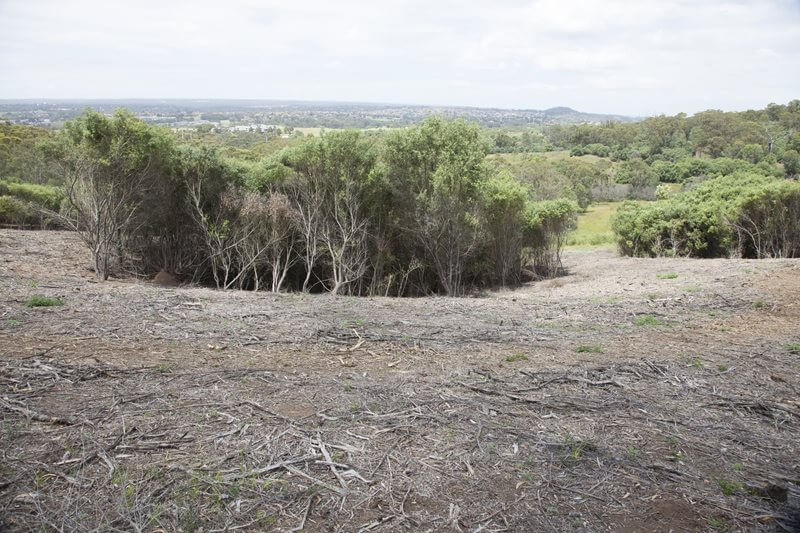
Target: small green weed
648, 320
729, 488
12, 322
589, 348
668, 275
758, 304
718, 523
514, 357
737, 467
37, 300
696, 363
576, 449
794, 347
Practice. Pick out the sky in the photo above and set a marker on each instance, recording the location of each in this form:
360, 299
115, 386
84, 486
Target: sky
605, 56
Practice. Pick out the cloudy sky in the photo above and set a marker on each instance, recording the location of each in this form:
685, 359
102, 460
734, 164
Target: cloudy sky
635, 57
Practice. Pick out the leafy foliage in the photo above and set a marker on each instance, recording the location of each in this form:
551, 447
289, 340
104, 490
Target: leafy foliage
742, 214
37, 300
22, 203
417, 211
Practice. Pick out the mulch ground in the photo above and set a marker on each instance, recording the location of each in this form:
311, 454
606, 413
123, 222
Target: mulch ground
138, 408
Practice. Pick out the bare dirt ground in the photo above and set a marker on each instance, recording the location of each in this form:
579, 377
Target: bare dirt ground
620, 397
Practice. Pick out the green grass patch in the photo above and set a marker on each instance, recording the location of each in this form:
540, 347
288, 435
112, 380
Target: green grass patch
794, 347
668, 275
718, 524
589, 348
729, 488
514, 357
594, 226
37, 300
648, 320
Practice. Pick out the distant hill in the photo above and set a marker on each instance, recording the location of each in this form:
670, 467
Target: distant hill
177, 113
567, 115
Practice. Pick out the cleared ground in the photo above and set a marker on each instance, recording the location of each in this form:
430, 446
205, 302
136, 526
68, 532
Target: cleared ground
629, 395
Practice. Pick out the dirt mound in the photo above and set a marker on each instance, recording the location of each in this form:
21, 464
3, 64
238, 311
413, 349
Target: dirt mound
165, 279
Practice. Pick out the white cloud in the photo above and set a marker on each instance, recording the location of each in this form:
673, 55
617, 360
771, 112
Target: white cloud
636, 57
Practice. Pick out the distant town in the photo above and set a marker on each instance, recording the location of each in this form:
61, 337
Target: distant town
267, 116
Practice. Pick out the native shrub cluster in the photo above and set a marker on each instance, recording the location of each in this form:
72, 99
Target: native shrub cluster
22, 204
413, 212
743, 214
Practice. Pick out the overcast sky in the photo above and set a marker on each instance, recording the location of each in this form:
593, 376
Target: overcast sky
631, 57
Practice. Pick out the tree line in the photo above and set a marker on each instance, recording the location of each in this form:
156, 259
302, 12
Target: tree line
769, 136
414, 212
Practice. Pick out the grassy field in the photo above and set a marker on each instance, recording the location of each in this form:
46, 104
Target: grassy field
309, 131
594, 226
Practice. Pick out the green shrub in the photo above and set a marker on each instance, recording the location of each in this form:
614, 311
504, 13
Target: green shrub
546, 227
637, 173
19, 202
37, 300
667, 171
692, 166
40, 195
18, 212
743, 214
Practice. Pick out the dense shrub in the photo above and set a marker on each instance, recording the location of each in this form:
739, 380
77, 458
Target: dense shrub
667, 171
15, 212
40, 195
742, 214
547, 225
636, 173
415, 212
597, 149
767, 221
23, 203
